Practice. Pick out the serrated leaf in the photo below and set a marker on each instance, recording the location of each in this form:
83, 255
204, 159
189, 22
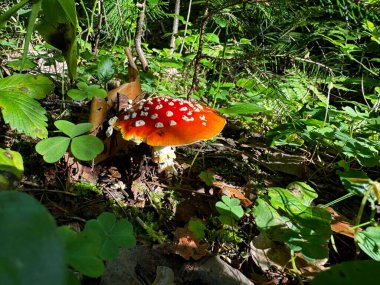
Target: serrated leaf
105, 69
72, 130
52, 149
23, 113
36, 87
369, 241
86, 147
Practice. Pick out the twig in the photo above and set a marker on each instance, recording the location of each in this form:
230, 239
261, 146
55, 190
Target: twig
99, 27
186, 26
199, 52
138, 36
175, 25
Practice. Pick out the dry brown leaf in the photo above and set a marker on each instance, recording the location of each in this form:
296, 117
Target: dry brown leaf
98, 113
233, 191
340, 224
187, 245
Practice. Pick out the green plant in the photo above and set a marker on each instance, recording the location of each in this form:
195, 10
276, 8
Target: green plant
229, 210
100, 240
83, 147
197, 227
286, 215
35, 251
11, 169
19, 106
85, 91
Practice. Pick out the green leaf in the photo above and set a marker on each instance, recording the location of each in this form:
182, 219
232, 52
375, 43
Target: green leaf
11, 169
69, 7
304, 192
113, 234
86, 92
357, 182
82, 251
197, 227
36, 87
349, 273
229, 208
243, 108
369, 241
52, 149
86, 147
71, 129
207, 177
31, 252
19, 108
287, 218
105, 69
19, 64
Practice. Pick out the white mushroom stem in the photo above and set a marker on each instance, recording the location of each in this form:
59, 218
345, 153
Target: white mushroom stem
164, 156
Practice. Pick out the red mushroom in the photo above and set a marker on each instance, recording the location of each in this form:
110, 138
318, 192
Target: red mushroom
164, 122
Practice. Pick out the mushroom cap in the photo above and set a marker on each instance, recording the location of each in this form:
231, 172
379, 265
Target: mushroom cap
166, 121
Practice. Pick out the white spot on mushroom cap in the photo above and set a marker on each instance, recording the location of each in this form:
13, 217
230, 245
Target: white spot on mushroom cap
169, 113
171, 103
184, 109
172, 123
154, 116
144, 114
139, 123
133, 115
126, 117
146, 108
159, 125
204, 123
202, 118
158, 107
187, 119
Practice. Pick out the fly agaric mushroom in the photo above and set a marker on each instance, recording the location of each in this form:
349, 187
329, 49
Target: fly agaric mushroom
164, 122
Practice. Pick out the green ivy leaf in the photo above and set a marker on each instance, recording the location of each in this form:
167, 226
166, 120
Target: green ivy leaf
113, 234
86, 147
20, 110
369, 241
30, 249
52, 149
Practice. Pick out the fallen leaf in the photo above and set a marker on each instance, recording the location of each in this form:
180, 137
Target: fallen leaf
187, 245
340, 224
233, 191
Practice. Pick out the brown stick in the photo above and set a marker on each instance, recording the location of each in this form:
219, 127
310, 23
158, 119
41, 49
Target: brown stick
199, 52
139, 31
175, 25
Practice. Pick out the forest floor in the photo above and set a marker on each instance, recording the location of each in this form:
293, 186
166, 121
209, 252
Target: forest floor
236, 164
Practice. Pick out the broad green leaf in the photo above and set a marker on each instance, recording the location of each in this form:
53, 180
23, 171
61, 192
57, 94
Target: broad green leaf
31, 252
23, 113
11, 169
19, 108
86, 92
69, 7
369, 241
243, 109
12, 10
213, 38
349, 273
113, 234
52, 149
105, 69
71, 129
19, 64
82, 251
36, 87
304, 192
86, 147
285, 217
357, 182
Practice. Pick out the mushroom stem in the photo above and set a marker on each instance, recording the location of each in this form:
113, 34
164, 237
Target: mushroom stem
164, 156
